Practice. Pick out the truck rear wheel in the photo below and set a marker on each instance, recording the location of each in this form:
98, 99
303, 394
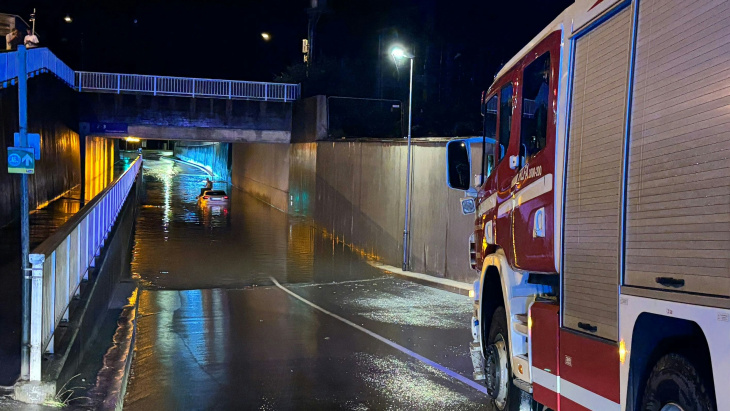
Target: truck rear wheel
676, 385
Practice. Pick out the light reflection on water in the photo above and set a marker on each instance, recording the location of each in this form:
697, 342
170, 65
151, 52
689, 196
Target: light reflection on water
181, 245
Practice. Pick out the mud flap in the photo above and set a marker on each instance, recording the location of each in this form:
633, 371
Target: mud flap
477, 360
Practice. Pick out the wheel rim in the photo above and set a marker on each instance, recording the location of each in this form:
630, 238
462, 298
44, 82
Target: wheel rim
497, 377
672, 407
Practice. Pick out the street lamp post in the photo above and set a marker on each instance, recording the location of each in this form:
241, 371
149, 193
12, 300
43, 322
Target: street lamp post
400, 53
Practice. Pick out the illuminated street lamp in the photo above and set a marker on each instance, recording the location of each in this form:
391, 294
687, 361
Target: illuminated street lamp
266, 36
67, 19
399, 53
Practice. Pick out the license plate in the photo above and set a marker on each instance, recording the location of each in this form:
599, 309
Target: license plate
216, 209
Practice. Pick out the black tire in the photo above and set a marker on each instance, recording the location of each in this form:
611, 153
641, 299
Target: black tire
514, 400
674, 379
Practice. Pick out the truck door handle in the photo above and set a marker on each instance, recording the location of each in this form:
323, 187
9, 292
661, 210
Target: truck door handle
670, 282
588, 327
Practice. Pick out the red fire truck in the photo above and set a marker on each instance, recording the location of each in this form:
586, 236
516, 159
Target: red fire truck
602, 229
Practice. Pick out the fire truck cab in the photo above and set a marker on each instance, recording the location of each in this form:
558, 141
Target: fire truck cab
601, 240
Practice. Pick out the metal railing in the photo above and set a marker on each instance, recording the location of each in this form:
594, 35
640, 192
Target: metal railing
41, 59
38, 60
63, 260
185, 87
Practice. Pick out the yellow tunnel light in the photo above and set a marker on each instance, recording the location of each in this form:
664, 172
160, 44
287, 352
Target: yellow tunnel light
622, 351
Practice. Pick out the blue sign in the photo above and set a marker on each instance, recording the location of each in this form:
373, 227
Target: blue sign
112, 128
21, 160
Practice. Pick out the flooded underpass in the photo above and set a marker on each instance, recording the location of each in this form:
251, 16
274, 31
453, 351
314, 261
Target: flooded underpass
245, 307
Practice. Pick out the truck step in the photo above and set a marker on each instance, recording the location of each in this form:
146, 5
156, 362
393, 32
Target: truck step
521, 365
477, 360
520, 326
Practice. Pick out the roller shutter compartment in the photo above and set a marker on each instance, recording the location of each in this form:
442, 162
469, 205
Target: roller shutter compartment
678, 203
593, 186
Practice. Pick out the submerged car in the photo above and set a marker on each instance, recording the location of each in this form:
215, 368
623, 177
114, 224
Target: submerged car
213, 198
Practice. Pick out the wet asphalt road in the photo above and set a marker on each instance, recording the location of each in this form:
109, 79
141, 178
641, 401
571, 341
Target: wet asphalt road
215, 332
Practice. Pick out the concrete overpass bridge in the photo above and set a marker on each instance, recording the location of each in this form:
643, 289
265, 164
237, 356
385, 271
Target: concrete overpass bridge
168, 108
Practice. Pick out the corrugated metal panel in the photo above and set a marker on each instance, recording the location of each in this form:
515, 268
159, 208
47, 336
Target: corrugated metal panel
678, 211
592, 207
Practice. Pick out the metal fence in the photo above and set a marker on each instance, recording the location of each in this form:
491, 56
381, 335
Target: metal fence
185, 87
41, 60
63, 261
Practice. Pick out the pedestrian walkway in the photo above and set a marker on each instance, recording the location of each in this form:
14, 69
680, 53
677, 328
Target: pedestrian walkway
43, 223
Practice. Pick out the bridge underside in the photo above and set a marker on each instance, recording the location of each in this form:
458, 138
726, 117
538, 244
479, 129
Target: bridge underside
224, 135
184, 118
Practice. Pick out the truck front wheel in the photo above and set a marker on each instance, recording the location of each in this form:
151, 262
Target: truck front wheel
676, 385
498, 370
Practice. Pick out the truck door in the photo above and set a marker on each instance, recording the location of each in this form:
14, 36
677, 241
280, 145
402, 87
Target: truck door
533, 215
506, 173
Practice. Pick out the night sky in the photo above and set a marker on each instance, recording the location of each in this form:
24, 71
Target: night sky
459, 44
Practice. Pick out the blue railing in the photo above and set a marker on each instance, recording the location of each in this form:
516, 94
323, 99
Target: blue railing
185, 87
39, 60
43, 60
63, 260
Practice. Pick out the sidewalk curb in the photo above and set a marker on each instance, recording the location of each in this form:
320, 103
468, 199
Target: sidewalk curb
119, 405
111, 381
453, 286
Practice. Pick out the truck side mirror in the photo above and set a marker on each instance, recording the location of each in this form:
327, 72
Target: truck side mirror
458, 165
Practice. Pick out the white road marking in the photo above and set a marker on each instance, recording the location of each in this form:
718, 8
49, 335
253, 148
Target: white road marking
380, 338
368, 280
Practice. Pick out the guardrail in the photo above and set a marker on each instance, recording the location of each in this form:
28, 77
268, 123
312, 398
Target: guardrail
63, 260
185, 87
38, 60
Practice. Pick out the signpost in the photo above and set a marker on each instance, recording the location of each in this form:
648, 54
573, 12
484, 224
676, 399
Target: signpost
24, 211
34, 142
21, 160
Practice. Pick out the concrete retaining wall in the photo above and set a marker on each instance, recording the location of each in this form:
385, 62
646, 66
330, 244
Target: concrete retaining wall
309, 120
262, 170
356, 190
52, 112
213, 156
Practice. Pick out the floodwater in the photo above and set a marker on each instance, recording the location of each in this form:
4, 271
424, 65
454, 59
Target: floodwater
216, 332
